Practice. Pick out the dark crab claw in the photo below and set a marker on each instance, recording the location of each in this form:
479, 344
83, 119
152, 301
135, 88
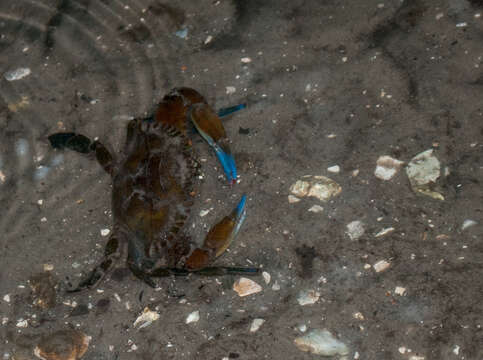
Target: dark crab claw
209, 125
218, 238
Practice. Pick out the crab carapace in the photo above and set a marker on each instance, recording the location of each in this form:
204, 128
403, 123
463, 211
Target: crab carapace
152, 192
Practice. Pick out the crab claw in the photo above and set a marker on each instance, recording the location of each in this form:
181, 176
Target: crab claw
209, 125
230, 110
218, 238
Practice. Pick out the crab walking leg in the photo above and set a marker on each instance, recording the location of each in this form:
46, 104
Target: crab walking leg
210, 127
112, 253
84, 145
218, 238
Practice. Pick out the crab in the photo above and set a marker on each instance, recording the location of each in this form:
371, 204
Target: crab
152, 192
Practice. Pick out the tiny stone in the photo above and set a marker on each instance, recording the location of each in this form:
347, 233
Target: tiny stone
44, 219
193, 317
6, 298
204, 212
387, 167
462, 24
456, 350
40, 202
381, 265
256, 324
302, 328
105, 232
321, 342
358, 316
22, 323
246, 60
439, 16
402, 349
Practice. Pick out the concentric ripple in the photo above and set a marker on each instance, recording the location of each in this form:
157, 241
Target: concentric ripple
92, 65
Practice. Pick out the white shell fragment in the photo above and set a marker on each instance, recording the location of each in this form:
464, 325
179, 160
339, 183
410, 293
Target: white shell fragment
193, 317
266, 277
105, 232
468, 223
320, 187
246, 60
355, 229
230, 90
293, 199
381, 265
387, 167
384, 231
146, 318
316, 209
17, 74
308, 297
423, 170
334, 169
321, 342
400, 290
256, 324
245, 287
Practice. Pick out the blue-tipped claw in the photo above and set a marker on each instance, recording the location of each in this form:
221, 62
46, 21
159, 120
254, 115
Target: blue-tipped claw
230, 110
241, 213
227, 162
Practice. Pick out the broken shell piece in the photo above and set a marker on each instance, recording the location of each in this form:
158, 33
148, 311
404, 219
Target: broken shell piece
300, 188
387, 167
193, 317
423, 170
293, 199
381, 265
355, 229
245, 287
316, 208
320, 187
266, 277
62, 345
308, 297
384, 232
146, 318
334, 169
321, 342
400, 290
256, 324
468, 223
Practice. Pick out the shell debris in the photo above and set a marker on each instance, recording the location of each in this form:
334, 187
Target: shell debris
62, 345
387, 167
146, 318
320, 187
192, 317
256, 324
381, 265
423, 170
245, 287
321, 342
308, 297
355, 229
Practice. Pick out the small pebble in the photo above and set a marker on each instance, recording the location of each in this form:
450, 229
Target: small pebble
387, 167
276, 286
358, 316
256, 324
6, 298
246, 60
105, 232
208, 39
21, 323
302, 328
193, 317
